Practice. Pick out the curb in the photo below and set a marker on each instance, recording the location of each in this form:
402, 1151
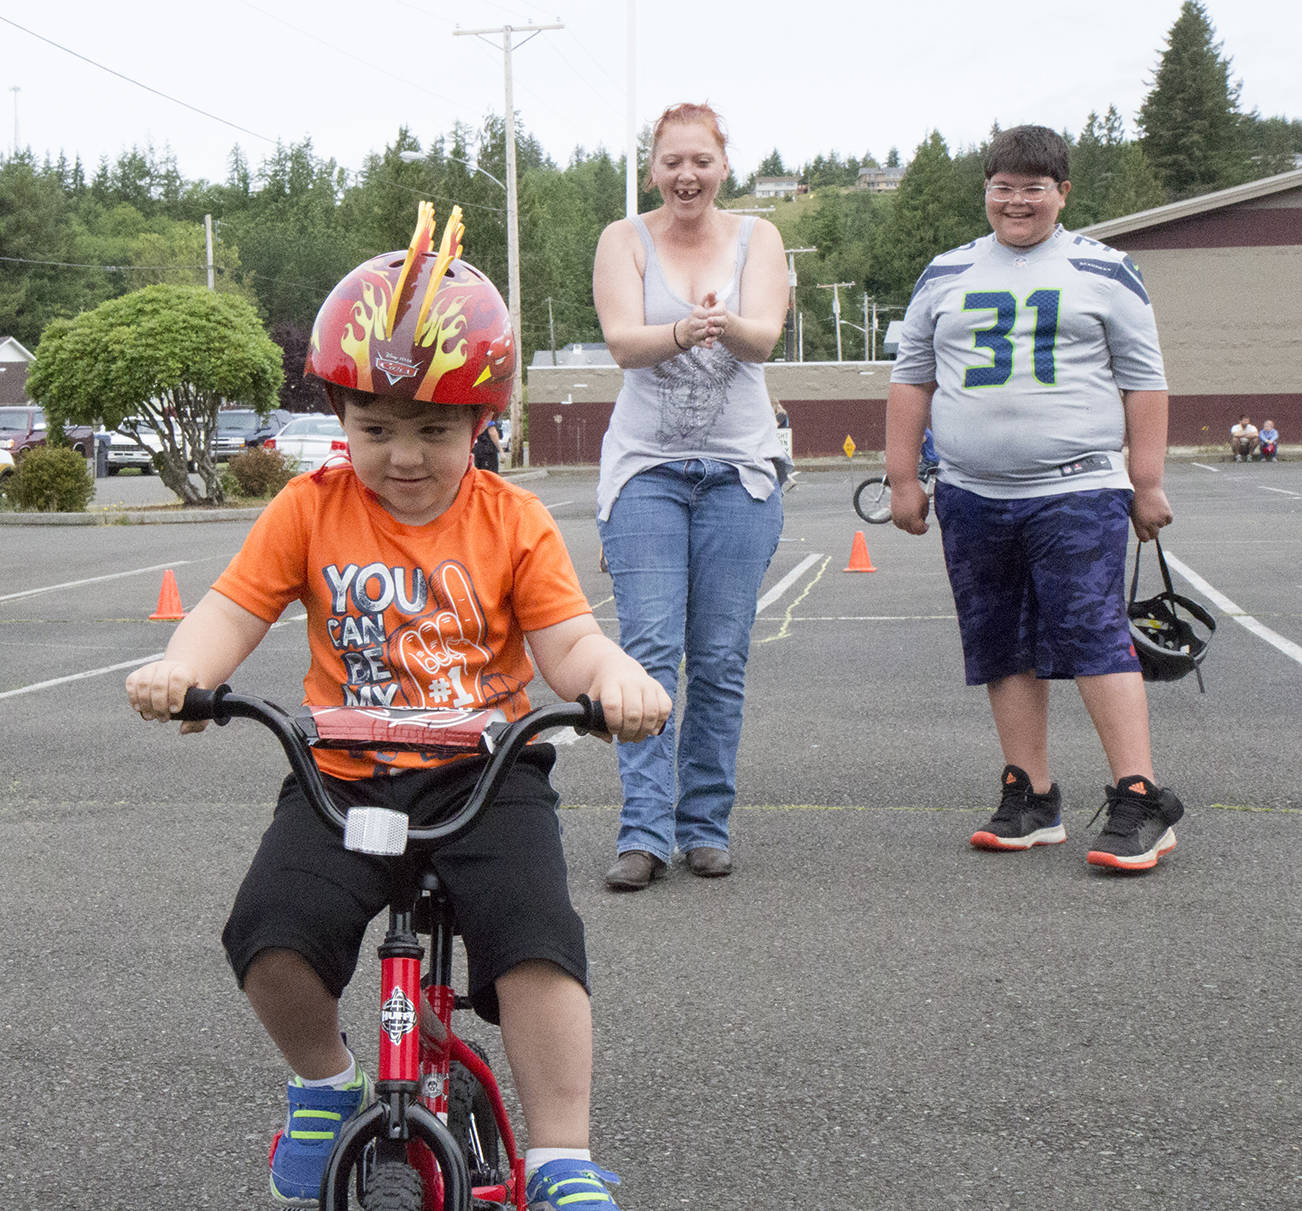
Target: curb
164, 515
128, 517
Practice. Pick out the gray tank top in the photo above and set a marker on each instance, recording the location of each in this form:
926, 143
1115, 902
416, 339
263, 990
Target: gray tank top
702, 403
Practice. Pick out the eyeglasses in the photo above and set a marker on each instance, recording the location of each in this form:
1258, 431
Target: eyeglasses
1028, 193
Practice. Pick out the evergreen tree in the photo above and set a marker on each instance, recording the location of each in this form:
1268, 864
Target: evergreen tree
1190, 119
937, 206
1109, 176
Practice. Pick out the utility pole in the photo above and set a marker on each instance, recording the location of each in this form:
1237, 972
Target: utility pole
15, 89
630, 86
207, 231
789, 345
551, 329
508, 44
835, 288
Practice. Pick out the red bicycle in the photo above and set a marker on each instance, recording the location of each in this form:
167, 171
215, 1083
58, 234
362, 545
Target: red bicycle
437, 1137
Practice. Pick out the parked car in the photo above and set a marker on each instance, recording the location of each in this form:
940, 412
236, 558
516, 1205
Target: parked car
23, 427
125, 451
310, 441
243, 429
6, 465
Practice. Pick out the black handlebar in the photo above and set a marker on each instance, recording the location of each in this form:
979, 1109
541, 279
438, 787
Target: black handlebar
503, 742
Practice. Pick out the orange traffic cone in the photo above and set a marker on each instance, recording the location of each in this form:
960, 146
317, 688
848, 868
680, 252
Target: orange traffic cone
860, 560
169, 601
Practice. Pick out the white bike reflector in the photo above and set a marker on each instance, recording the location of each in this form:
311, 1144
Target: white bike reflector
375, 830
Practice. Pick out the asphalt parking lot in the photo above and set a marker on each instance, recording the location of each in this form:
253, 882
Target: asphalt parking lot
868, 1015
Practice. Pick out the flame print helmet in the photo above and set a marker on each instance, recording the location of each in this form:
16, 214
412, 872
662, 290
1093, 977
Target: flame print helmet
421, 325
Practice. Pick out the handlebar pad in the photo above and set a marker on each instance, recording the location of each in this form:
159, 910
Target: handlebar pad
441, 731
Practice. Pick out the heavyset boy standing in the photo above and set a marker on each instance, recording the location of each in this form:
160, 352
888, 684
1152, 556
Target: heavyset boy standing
1033, 353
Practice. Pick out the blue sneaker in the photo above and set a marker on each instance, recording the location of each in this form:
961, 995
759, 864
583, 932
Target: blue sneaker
300, 1151
571, 1186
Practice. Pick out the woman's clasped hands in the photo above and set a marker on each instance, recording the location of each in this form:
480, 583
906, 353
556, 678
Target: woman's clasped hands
706, 324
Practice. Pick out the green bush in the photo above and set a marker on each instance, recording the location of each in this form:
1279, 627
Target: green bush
256, 473
51, 479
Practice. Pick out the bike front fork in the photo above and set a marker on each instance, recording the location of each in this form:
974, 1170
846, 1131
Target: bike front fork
398, 1122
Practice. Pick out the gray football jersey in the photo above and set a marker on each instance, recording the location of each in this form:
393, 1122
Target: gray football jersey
1029, 350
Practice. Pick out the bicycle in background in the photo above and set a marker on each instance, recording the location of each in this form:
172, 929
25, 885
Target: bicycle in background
872, 498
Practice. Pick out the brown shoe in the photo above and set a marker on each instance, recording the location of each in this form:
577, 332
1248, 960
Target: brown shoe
709, 862
633, 871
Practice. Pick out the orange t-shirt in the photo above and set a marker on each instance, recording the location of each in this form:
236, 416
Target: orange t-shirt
398, 615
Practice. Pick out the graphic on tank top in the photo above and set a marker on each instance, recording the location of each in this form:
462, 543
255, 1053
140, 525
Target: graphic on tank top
691, 391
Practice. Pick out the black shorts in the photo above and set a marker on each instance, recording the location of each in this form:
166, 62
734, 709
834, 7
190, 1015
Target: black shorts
507, 878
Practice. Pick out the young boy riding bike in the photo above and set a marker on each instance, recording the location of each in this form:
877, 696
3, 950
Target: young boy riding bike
423, 578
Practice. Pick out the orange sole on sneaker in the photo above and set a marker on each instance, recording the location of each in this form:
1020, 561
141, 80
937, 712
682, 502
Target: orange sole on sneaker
1042, 836
1165, 844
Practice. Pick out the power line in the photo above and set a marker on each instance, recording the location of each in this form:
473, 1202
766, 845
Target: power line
317, 289
166, 96
18, 260
349, 54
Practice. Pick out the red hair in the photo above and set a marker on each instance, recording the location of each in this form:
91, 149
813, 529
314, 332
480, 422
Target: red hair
685, 113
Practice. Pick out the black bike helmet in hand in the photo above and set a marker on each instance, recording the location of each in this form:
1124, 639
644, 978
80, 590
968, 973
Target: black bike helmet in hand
1168, 646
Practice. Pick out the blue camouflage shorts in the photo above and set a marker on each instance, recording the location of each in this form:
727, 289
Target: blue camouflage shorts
1039, 583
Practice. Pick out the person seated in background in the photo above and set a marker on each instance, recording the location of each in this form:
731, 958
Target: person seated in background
1243, 440
1268, 438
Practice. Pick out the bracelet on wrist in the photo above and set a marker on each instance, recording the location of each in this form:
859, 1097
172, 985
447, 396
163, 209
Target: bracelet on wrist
677, 342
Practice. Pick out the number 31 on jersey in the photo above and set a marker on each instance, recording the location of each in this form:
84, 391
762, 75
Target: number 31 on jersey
995, 338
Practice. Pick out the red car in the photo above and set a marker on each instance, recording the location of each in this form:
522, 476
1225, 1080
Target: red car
23, 427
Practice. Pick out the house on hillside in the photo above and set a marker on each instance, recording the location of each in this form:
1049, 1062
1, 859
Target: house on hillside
1224, 271
14, 360
879, 180
778, 187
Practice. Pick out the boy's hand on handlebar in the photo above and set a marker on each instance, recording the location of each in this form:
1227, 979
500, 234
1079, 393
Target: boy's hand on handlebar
634, 703
157, 691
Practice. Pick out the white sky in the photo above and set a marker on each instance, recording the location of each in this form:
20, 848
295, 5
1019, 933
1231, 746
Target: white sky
806, 77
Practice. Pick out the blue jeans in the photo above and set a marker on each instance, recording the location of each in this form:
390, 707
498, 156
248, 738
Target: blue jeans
687, 547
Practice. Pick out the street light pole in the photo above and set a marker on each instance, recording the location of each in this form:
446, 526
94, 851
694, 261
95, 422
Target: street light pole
512, 229
789, 327
835, 288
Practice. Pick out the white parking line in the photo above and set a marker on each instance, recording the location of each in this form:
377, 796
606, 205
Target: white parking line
569, 737
1281, 491
1205, 467
1227, 607
76, 584
786, 582
112, 668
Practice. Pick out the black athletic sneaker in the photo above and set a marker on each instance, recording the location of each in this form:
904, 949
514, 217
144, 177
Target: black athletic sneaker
1138, 828
1024, 818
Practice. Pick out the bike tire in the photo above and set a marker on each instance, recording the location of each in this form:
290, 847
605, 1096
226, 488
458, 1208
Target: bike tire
473, 1125
872, 500
394, 1186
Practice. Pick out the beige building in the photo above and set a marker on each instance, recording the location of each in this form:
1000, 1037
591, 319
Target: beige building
1224, 271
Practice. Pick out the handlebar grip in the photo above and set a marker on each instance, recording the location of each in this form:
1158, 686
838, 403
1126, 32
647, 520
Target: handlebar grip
201, 705
596, 717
